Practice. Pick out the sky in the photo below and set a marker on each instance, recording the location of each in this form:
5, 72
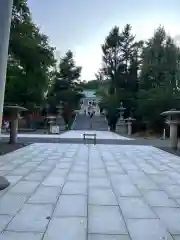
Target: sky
82, 25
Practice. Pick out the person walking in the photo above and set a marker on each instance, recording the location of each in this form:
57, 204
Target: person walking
6, 125
112, 118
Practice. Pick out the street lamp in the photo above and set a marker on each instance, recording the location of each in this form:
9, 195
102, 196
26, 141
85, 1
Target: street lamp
5, 23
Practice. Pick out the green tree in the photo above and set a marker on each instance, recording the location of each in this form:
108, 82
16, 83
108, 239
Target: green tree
153, 58
111, 58
93, 84
65, 86
121, 59
30, 59
121, 63
159, 79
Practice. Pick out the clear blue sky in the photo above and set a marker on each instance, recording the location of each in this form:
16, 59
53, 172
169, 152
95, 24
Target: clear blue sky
81, 25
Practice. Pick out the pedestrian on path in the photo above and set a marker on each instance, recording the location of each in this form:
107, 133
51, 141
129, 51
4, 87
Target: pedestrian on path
6, 125
112, 118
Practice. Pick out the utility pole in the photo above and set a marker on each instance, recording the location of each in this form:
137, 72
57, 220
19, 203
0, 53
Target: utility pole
5, 23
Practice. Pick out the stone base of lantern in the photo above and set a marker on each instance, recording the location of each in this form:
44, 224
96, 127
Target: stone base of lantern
173, 121
60, 122
62, 127
173, 134
54, 129
121, 128
4, 183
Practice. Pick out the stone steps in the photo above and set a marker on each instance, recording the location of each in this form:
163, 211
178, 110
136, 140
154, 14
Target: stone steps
83, 122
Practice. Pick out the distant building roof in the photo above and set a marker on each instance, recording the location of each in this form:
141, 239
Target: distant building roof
89, 93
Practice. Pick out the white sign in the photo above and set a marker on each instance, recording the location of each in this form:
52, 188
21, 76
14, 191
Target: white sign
55, 129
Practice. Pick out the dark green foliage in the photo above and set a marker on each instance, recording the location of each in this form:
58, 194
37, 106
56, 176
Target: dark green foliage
65, 88
30, 59
145, 76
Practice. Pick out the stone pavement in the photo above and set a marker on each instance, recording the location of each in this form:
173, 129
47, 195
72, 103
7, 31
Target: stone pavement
100, 135
87, 192
73, 136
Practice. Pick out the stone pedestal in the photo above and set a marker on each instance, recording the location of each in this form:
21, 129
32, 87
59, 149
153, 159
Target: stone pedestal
4, 183
51, 124
50, 120
129, 125
54, 129
60, 122
173, 121
59, 119
13, 130
121, 127
173, 133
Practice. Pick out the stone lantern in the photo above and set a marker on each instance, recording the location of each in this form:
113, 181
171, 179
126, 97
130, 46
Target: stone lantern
121, 124
129, 122
173, 119
14, 114
51, 121
59, 119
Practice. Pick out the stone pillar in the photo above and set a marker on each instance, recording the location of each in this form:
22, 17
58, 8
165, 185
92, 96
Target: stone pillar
173, 134
4, 183
129, 126
13, 130
50, 126
5, 22
173, 120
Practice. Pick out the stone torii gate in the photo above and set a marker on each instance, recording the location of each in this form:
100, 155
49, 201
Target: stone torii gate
5, 23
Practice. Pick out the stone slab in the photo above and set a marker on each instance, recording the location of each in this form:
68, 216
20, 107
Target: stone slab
45, 195
4, 220
10, 204
135, 208
32, 218
105, 220
24, 188
100, 196
107, 237
54, 181
75, 188
99, 182
71, 206
170, 218
67, 229
141, 229
7, 235
159, 199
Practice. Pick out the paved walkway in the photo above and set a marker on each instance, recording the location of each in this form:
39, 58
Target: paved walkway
100, 135
87, 192
73, 136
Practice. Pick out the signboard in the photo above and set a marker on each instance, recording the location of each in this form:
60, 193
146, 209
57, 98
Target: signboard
55, 129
